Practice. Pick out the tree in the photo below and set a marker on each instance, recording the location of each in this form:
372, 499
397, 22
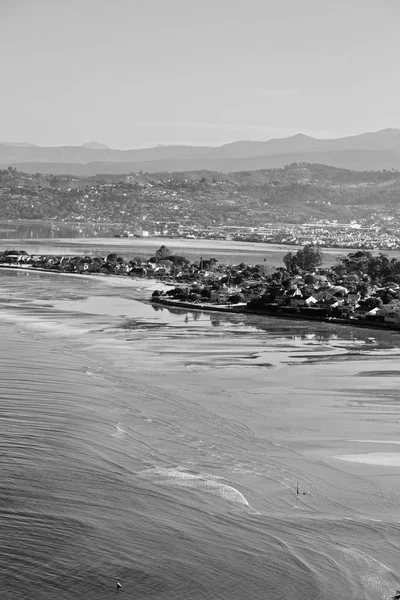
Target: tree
387, 295
289, 261
306, 259
339, 270
357, 262
309, 279
395, 266
167, 264
379, 267
363, 289
235, 299
370, 303
309, 257
176, 260
112, 258
163, 252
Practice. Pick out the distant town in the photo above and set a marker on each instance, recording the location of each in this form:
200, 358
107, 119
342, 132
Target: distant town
298, 204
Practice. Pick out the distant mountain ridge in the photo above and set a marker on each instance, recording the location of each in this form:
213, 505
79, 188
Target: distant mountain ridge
368, 151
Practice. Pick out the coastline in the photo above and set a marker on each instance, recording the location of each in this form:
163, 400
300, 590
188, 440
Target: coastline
151, 285
243, 309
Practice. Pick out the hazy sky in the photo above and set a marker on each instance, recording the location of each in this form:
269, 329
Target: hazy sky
134, 73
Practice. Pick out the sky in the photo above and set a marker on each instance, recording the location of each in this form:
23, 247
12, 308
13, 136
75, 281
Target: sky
138, 73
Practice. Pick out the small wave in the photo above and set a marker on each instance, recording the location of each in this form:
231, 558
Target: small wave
204, 482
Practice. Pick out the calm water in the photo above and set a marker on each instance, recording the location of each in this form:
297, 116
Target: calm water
17, 230
98, 239
161, 448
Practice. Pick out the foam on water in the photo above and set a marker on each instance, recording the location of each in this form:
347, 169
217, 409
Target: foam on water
203, 482
375, 575
119, 432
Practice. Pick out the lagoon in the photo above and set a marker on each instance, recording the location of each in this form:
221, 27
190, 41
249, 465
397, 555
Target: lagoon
228, 252
161, 448
96, 239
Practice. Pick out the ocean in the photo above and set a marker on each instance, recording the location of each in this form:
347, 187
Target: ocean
163, 449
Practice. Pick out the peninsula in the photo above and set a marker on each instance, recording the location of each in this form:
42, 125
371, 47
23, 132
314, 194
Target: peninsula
360, 289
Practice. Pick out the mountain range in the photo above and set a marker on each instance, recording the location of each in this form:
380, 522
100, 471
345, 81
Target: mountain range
368, 151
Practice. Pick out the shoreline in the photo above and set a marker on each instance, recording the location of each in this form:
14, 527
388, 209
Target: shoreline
152, 285
149, 284
243, 309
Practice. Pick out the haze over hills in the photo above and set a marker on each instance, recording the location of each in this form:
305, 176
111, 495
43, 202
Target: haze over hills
19, 144
367, 151
95, 146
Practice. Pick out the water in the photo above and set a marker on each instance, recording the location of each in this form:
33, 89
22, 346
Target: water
39, 230
161, 448
97, 239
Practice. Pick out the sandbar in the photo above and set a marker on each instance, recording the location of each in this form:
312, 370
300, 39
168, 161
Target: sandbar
382, 459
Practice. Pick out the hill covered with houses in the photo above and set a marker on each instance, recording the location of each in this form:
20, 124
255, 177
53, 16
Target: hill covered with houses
171, 203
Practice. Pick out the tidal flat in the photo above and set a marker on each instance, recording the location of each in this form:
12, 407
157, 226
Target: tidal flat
174, 441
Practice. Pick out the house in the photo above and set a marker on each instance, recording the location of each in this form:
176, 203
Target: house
393, 318
221, 296
297, 298
391, 312
249, 294
392, 308
311, 301
353, 298
360, 312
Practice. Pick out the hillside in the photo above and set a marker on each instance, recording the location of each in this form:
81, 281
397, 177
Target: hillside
368, 151
295, 194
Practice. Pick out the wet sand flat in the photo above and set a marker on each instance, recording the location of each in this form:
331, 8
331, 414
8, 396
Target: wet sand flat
229, 412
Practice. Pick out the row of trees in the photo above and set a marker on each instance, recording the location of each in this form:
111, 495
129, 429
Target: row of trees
378, 268
360, 264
